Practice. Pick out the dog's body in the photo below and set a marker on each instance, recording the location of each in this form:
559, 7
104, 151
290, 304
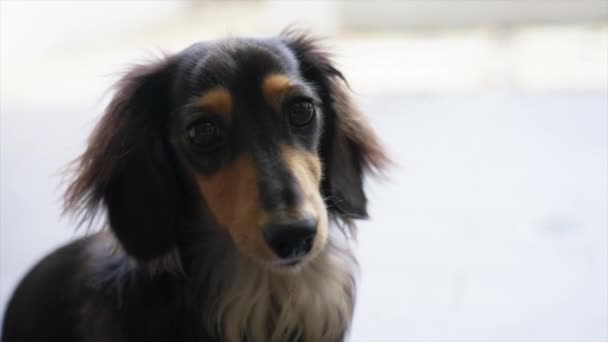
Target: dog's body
230, 174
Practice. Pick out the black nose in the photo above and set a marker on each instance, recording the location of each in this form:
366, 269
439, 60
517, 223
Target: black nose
291, 239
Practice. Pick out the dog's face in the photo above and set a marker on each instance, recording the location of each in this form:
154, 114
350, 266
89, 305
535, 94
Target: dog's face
258, 137
247, 129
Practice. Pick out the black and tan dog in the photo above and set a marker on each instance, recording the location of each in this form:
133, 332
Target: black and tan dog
231, 174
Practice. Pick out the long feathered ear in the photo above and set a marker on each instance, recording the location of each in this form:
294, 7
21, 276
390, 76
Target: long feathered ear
128, 168
349, 147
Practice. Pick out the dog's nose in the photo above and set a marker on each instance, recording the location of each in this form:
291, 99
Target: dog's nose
291, 239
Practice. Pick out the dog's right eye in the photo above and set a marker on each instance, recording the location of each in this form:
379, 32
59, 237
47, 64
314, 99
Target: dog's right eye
300, 112
206, 135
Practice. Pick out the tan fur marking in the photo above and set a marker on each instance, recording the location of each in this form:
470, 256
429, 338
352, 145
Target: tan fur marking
218, 100
306, 169
232, 196
273, 88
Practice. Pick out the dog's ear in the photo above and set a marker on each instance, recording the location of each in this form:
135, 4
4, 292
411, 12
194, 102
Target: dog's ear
128, 167
349, 147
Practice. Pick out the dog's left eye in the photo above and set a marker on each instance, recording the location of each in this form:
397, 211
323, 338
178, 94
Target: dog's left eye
206, 135
300, 112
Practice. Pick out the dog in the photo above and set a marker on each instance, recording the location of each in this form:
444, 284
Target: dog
230, 176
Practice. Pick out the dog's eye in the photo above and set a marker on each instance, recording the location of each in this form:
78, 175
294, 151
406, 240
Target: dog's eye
300, 112
207, 135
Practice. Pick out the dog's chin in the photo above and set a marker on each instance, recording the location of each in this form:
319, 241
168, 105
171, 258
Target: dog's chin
281, 266
287, 266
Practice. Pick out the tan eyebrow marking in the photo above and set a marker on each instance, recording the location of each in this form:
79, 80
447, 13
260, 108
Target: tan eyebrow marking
217, 99
274, 86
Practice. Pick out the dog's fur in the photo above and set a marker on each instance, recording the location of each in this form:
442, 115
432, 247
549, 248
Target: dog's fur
184, 258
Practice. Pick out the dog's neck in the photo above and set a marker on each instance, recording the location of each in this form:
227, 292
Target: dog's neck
243, 300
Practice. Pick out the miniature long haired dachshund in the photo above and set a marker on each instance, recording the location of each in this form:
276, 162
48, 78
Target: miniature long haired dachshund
230, 175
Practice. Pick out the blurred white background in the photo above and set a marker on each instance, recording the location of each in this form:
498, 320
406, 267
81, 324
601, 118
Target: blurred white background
493, 226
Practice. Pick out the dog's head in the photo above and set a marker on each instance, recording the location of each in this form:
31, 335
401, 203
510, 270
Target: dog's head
255, 137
